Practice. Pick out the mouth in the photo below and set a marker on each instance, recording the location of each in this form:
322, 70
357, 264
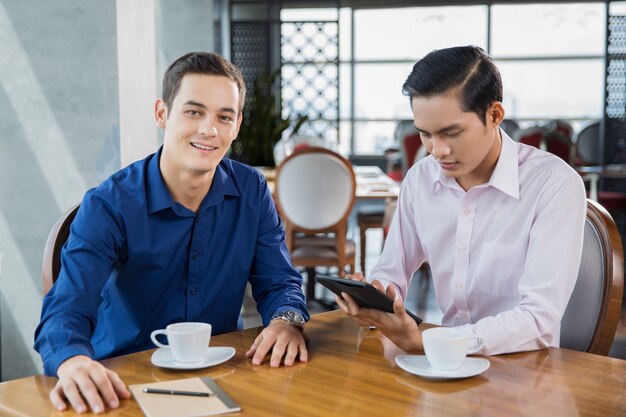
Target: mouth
448, 166
206, 148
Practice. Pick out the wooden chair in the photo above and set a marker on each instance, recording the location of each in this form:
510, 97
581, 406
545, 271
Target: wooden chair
315, 192
51, 265
592, 314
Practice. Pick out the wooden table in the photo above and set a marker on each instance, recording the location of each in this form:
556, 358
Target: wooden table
371, 182
351, 372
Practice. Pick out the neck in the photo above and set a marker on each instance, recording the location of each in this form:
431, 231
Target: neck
482, 173
186, 187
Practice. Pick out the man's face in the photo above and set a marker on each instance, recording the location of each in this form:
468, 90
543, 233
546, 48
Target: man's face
465, 148
202, 122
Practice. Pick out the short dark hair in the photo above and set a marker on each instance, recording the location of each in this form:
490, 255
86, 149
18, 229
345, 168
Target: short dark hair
208, 63
467, 69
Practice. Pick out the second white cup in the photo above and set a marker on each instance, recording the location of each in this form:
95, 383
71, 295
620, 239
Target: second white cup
188, 341
446, 348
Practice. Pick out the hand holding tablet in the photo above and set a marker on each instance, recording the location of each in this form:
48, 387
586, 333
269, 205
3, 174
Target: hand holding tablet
363, 293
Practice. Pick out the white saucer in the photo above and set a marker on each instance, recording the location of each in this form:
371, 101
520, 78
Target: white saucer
214, 356
418, 365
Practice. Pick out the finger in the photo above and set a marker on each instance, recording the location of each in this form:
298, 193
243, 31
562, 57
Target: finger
71, 392
118, 384
357, 276
255, 345
377, 284
391, 292
292, 352
342, 304
90, 392
304, 353
104, 386
56, 399
277, 352
353, 307
398, 308
262, 350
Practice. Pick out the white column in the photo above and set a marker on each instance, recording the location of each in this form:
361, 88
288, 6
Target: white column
136, 56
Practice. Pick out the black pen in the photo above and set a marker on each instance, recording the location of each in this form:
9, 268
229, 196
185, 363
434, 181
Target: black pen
175, 392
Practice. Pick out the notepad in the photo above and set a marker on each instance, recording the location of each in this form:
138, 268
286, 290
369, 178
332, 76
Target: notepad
165, 405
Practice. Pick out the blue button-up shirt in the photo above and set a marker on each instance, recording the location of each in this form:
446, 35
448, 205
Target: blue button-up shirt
136, 261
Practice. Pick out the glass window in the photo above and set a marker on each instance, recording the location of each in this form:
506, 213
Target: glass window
373, 138
302, 15
409, 33
378, 91
553, 88
544, 30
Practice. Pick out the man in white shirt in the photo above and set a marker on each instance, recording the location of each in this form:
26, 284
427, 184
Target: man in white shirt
500, 223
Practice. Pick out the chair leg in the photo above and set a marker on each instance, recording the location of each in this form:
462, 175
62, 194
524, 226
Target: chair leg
310, 284
362, 230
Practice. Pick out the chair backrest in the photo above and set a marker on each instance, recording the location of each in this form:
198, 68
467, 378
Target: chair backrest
51, 265
410, 147
593, 311
557, 143
588, 144
315, 190
532, 136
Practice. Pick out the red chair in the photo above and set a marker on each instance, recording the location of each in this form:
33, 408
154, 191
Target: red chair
532, 136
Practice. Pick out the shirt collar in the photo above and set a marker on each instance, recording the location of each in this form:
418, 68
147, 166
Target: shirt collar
505, 174
159, 197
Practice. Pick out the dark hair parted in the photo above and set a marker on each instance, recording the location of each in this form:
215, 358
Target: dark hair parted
466, 71
207, 63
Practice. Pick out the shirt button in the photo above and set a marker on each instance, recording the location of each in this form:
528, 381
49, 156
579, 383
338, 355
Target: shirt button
194, 291
461, 248
467, 211
459, 285
465, 315
195, 256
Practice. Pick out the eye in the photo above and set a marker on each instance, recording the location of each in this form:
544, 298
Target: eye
194, 113
225, 118
425, 135
452, 134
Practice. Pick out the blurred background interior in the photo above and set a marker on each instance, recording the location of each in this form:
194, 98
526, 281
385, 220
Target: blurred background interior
78, 80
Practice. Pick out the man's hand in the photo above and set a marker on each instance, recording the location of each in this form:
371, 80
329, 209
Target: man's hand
398, 326
83, 379
286, 340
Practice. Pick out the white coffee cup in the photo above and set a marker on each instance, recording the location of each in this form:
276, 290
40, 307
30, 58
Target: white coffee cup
446, 348
188, 341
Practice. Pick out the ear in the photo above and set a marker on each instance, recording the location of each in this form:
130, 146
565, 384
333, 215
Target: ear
495, 114
160, 113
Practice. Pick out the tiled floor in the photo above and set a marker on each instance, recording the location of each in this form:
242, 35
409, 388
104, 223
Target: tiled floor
420, 298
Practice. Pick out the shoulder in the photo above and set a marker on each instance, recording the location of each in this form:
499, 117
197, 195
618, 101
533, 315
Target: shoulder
122, 186
538, 165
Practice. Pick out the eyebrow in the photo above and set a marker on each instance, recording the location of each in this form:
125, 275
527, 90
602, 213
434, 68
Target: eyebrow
202, 106
453, 126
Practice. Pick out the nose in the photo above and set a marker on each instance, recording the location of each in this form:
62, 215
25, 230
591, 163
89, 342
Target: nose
207, 128
439, 148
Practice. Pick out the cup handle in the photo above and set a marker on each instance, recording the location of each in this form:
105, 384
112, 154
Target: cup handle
479, 345
154, 339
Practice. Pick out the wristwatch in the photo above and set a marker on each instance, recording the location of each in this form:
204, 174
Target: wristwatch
290, 317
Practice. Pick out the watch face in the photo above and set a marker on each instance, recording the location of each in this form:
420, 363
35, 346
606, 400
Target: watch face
296, 317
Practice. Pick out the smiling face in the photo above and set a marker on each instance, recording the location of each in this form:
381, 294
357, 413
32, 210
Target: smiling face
200, 126
465, 148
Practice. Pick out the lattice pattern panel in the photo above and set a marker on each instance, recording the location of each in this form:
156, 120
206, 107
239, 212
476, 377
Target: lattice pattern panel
250, 51
615, 110
310, 76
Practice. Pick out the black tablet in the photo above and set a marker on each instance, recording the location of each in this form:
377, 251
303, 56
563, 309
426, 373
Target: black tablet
363, 293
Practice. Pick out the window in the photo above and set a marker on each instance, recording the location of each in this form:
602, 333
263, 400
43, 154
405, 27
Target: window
551, 57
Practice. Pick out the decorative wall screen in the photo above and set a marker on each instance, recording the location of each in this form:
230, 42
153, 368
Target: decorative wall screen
310, 76
615, 106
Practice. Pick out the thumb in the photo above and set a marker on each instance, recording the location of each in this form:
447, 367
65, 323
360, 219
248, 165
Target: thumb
398, 307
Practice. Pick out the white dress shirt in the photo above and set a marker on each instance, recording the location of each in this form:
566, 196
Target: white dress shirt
504, 255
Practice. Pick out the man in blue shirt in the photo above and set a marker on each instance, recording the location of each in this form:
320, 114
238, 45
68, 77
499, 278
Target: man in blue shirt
172, 238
